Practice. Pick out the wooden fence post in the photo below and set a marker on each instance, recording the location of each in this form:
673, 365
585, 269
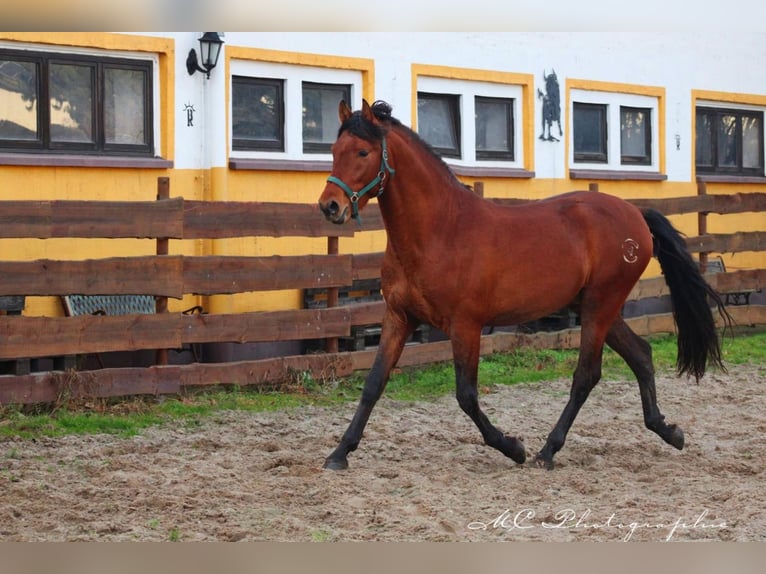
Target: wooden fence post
702, 225
163, 243
331, 344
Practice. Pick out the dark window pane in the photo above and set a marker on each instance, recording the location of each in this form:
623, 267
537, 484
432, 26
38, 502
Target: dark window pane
635, 135
124, 106
71, 103
494, 128
727, 141
257, 114
18, 100
589, 132
704, 143
752, 138
439, 121
320, 114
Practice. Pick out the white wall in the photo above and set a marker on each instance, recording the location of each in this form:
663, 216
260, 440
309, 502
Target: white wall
676, 61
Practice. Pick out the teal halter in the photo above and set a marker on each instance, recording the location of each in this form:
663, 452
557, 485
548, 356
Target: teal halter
379, 180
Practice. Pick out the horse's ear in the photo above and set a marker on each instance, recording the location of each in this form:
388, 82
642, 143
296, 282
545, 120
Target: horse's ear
344, 111
367, 112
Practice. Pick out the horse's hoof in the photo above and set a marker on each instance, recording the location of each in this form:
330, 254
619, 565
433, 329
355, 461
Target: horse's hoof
336, 464
514, 449
676, 437
543, 462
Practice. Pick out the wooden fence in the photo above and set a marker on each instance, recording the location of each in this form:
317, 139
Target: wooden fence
164, 275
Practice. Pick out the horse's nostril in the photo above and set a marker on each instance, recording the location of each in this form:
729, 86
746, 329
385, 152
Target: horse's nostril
330, 208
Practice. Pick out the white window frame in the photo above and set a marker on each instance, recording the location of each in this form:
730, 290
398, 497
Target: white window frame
293, 76
613, 101
467, 90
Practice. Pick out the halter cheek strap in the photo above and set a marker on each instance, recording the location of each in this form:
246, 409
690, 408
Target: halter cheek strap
380, 181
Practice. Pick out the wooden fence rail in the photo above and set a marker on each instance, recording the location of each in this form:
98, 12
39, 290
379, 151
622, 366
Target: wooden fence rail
173, 276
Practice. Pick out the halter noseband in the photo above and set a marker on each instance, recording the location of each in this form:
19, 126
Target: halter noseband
380, 180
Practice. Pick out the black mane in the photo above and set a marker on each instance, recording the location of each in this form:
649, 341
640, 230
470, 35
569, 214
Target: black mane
360, 127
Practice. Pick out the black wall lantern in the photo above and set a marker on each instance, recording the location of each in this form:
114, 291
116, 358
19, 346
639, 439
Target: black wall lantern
209, 49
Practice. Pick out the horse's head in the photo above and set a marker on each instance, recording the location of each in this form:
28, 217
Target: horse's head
360, 168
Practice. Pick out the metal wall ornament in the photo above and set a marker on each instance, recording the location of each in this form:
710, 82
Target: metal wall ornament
189, 109
551, 111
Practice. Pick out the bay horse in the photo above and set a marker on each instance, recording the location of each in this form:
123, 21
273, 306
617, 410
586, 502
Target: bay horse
459, 262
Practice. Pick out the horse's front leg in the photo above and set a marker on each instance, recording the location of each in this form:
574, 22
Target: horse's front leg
465, 348
394, 332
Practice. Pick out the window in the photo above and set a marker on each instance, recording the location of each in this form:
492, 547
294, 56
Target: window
616, 130
589, 128
591, 134
474, 124
635, 135
320, 114
285, 112
439, 122
63, 103
729, 141
494, 128
258, 113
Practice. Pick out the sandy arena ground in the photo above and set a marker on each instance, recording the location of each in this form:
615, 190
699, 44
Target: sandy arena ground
421, 473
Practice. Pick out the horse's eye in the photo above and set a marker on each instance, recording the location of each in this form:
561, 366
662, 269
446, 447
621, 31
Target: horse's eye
363, 153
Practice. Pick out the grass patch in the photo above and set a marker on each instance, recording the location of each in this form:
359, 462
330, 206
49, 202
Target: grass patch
128, 417
15, 422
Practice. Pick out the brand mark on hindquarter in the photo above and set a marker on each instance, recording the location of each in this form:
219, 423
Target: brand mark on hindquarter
630, 250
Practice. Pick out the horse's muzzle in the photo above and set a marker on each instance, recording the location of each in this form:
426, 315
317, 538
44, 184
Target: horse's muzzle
332, 211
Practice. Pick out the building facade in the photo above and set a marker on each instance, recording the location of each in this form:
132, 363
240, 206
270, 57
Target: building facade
101, 115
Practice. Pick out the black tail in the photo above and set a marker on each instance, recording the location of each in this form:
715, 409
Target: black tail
698, 341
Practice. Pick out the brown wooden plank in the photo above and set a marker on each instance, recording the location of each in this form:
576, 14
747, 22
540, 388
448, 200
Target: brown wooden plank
213, 220
150, 275
267, 326
366, 313
37, 388
436, 352
55, 336
49, 387
743, 280
645, 288
733, 281
371, 219
276, 372
723, 204
728, 243
230, 274
28, 389
101, 219
366, 265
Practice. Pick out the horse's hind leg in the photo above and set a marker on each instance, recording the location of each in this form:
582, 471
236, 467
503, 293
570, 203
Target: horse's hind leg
586, 375
465, 348
394, 333
637, 353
